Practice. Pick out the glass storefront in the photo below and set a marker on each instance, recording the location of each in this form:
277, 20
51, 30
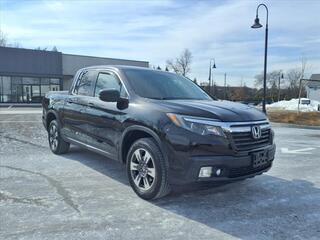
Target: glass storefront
26, 89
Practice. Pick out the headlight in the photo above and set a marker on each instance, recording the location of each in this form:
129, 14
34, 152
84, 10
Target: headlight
200, 126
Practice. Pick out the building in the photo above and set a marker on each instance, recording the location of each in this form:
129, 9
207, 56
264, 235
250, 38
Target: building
313, 87
27, 75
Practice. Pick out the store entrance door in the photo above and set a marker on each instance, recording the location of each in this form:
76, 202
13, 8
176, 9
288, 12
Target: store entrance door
31, 93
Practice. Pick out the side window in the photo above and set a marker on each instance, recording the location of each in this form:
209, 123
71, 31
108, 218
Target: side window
109, 81
85, 83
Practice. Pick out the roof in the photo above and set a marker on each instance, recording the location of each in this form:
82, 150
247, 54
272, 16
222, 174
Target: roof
95, 57
122, 67
116, 66
315, 76
314, 84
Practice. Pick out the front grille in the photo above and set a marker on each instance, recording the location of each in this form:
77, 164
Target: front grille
243, 171
243, 141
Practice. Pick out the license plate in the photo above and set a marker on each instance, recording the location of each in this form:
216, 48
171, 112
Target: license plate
260, 158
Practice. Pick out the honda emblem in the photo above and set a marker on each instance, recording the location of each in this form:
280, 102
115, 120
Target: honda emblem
256, 132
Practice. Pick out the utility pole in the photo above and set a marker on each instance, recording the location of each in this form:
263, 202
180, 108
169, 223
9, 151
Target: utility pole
210, 73
279, 89
209, 86
225, 86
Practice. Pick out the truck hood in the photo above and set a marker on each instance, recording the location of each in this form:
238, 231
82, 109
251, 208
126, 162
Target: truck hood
223, 110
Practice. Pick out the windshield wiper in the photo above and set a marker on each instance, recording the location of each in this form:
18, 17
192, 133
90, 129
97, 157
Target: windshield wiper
161, 98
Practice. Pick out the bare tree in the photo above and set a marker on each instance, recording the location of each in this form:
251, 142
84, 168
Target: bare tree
272, 78
293, 76
3, 39
41, 49
195, 81
293, 79
182, 64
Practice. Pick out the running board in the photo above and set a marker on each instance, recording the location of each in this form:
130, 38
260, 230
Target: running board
89, 147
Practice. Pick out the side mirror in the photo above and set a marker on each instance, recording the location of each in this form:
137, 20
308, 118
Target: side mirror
109, 95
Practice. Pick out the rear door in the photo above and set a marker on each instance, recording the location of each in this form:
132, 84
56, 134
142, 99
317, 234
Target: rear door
105, 118
74, 118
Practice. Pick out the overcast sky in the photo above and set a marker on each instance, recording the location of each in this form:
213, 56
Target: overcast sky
157, 30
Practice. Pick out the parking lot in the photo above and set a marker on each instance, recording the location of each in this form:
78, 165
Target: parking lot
82, 195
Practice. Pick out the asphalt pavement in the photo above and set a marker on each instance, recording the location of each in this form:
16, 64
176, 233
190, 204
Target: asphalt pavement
82, 195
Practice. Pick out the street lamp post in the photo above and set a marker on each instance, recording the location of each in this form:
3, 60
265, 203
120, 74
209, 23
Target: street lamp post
280, 77
258, 25
210, 73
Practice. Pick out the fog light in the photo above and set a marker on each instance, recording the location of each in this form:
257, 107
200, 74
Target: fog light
205, 172
218, 172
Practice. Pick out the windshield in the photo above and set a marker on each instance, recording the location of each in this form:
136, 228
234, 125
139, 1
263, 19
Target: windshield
163, 85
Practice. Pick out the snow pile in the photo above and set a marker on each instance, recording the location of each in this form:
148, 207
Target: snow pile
292, 105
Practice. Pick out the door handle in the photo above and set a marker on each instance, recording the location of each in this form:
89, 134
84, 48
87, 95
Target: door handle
90, 104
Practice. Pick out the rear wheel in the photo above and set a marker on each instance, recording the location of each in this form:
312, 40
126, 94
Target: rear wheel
147, 169
56, 143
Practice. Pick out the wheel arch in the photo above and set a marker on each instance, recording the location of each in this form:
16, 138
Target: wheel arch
51, 115
133, 133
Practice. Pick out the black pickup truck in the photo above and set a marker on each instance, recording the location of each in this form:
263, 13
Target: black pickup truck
163, 126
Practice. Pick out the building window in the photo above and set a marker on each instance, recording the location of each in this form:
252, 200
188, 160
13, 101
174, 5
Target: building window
16, 89
44, 89
55, 81
26, 89
5, 89
29, 80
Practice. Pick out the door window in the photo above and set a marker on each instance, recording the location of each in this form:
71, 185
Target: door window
85, 83
109, 81
27, 93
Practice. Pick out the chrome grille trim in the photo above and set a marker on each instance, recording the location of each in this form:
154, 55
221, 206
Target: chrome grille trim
244, 126
230, 126
242, 139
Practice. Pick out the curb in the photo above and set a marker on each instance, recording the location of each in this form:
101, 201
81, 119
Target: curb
20, 105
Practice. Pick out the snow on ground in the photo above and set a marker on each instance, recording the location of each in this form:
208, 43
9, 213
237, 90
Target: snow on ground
292, 105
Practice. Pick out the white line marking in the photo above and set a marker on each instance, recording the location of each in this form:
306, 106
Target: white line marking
297, 151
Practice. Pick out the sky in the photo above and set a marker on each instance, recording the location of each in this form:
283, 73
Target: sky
155, 31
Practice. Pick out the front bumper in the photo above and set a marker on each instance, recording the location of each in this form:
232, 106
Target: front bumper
233, 168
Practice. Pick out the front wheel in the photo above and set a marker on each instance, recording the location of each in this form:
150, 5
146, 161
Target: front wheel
56, 143
147, 169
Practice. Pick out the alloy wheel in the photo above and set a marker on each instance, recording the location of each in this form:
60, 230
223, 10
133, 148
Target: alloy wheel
53, 137
142, 169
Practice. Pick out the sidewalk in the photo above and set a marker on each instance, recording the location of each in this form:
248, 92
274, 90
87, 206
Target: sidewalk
20, 110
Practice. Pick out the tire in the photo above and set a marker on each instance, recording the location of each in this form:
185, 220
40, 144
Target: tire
56, 143
148, 176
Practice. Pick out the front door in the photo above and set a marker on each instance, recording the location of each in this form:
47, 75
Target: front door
105, 118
